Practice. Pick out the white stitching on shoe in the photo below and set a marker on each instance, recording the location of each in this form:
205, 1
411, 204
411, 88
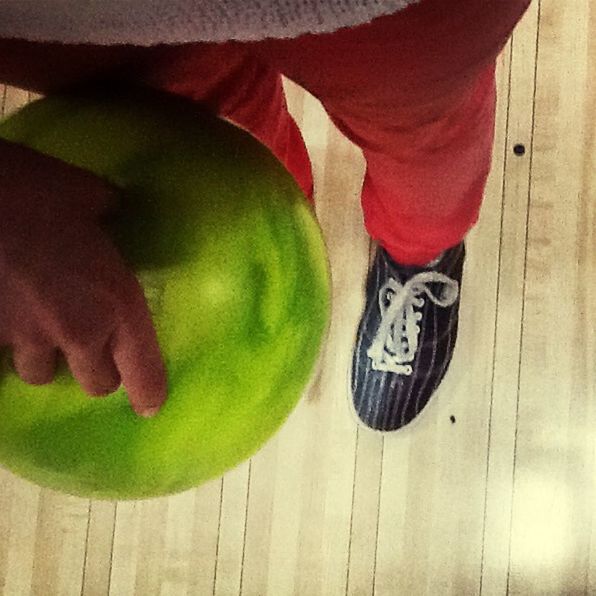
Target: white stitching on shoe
393, 349
401, 406
432, 365
379, 274
422, 389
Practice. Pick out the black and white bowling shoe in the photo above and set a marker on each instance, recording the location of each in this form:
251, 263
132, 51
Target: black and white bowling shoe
406, 337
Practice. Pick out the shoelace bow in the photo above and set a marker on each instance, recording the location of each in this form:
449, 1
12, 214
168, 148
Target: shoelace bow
396, 341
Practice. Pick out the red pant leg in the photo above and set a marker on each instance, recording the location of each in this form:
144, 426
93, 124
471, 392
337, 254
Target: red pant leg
235, 85
416, 92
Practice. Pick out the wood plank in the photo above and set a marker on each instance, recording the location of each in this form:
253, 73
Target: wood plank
516, 188
365, 514
98, 548
12, 99
60, 539
554, 492
21, 555
230, 551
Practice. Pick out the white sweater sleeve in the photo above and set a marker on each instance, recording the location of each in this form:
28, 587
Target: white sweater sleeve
149, 22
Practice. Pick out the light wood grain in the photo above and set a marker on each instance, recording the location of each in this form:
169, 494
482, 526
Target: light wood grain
554, 490
503, 501
510, 303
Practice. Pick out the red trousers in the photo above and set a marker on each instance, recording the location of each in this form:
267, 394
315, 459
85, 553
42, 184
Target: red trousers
414, 90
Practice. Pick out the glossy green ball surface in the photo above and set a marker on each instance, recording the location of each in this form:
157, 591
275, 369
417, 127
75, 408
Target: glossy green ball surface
235, 272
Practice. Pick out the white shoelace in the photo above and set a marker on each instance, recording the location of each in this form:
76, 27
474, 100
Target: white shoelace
396, 341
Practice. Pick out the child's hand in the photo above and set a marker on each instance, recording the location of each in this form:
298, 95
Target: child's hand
64, 286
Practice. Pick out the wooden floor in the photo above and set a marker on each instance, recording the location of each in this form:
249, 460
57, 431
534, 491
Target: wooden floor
503, 500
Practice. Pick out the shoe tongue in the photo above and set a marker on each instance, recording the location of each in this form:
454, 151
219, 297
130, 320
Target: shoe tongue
395, 265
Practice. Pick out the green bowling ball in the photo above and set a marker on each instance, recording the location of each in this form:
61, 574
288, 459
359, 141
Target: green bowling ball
235, 272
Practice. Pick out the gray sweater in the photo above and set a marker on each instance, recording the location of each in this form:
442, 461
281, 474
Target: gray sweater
149, 22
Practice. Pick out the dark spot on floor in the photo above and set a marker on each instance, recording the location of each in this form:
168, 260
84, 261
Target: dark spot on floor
519, 149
